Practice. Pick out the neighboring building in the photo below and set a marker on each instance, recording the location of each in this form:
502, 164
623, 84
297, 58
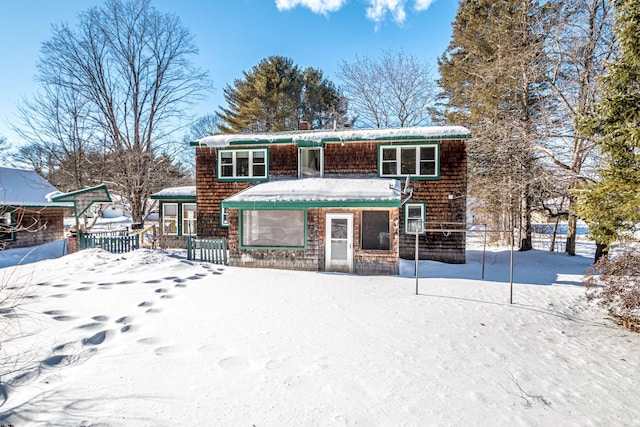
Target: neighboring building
334, 200
177, 209
28, 217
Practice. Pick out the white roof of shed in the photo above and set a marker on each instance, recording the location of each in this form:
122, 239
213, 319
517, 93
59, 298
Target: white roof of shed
22, 187
178, 192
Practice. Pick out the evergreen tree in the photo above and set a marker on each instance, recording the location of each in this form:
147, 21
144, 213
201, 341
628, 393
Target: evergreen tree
612, 206
492, 75
276, 95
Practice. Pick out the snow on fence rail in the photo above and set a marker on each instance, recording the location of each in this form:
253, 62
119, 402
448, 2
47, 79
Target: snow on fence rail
209, 250
117, 244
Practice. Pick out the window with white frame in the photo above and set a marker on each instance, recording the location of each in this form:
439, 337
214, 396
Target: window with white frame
409, 160
273, 228
310, 162
242, 164
170, 219
189, 219
414, 217
6, 226
224, 216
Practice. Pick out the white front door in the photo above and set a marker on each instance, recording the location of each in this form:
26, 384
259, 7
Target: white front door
339, 243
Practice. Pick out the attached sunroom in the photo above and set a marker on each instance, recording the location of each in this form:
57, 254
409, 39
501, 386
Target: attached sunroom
318, 224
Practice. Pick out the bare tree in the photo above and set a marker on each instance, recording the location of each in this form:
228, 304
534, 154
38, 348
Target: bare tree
583, 41
61, 138
395, 90
129, 67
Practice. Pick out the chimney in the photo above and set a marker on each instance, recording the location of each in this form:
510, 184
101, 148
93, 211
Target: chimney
304, 125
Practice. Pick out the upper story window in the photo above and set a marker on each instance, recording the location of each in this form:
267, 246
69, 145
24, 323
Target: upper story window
409, 160
242, 164
310, 162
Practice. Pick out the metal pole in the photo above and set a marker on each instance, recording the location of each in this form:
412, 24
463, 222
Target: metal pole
484, 248
511, 267
416, 259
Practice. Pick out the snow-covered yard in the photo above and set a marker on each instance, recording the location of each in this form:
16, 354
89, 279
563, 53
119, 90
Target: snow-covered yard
150, 339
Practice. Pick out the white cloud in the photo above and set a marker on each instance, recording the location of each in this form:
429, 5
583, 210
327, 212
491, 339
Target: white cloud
377, 10
423, 4
316, 6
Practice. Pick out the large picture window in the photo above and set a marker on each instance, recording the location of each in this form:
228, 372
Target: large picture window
189, 219
414, 217
409, 160
310, 162
375, 230
273, 228
170, 219
242, 164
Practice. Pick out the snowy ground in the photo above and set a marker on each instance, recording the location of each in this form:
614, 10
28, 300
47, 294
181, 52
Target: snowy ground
150, 339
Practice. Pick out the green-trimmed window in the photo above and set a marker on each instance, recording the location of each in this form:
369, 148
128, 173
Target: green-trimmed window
6, 226
242, 164
375, 230
273, 228
414, 217
409, 160
179, 219
170, 219
310, 162
189, 219
224, 216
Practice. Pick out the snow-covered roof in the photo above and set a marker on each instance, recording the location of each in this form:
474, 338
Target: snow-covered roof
184, 192
319, 192
319, 136
22, 187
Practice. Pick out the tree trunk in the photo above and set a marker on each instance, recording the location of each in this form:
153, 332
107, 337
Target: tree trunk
602, 250
571, 235
552, 246
526, 243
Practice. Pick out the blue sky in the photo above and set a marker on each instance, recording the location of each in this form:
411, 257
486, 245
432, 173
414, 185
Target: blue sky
234, 35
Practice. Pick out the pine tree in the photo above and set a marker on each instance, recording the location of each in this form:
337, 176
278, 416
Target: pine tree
276, 95
612, 206
492, 75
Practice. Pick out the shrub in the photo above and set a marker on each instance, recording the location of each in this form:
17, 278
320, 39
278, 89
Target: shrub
614, 283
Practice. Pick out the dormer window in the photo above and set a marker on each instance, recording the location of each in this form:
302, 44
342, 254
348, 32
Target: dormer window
310, 162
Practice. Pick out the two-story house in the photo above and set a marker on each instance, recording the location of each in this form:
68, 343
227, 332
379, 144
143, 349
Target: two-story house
345, 200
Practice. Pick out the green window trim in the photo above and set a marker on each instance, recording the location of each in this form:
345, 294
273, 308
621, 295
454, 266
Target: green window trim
419, 161
241, 231
421, 218
178, 220
253, 161
224, 216
310, 165
189, 221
